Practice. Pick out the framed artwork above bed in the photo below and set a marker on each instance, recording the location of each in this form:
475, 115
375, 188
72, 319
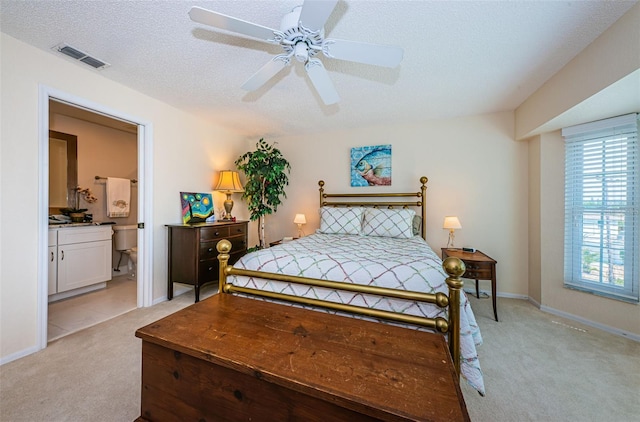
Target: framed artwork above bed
371, 166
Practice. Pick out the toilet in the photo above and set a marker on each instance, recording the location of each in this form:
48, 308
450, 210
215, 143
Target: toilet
126, 240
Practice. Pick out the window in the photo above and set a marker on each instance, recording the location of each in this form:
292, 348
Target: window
602, 200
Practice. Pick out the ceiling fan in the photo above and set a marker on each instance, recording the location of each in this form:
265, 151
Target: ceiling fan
301, 35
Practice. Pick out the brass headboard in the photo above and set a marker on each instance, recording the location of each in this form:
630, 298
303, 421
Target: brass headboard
376, 201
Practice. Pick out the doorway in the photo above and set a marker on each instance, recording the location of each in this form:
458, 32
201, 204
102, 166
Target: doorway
101, 115
104, 147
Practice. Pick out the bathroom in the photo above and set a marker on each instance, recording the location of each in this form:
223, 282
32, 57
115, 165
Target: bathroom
106, 147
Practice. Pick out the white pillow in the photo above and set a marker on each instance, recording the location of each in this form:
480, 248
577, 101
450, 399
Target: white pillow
340, 220
388, 223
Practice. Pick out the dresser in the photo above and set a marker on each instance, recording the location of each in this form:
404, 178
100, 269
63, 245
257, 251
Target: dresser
193, 258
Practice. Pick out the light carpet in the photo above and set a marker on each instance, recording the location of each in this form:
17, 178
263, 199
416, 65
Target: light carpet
537, 367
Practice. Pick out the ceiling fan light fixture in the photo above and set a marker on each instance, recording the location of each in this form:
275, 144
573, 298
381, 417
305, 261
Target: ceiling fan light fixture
301, 52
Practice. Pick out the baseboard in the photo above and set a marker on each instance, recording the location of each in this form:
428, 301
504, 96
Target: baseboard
549, 310
18, 355
603, 327
472, 292
178, 289
75, 292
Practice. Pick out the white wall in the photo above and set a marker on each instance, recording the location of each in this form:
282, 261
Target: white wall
475, 169
187, 152
568, 99
102, 151
607, 313
535, 244
606, 61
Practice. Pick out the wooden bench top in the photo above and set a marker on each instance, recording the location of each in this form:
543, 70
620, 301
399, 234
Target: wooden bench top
373, 368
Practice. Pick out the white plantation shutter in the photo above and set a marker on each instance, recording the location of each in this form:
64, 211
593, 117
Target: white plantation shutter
602, 202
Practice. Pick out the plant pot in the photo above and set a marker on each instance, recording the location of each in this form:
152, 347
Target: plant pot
77, 217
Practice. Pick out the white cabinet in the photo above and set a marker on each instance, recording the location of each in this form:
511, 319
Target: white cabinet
83, 258
52, 260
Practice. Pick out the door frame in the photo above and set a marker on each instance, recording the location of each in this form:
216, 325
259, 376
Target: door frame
145, 216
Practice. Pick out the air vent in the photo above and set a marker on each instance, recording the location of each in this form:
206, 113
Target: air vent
76, 54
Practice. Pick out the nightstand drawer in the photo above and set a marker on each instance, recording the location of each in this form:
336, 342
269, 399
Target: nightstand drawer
478, 270
478, 274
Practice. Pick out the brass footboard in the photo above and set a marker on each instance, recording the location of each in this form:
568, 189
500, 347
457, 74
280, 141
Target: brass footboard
453, 267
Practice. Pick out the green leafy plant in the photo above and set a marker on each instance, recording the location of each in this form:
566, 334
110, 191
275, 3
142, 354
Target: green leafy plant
588, 258
266, 172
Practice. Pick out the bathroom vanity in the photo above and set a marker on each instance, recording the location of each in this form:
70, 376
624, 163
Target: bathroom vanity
79, 259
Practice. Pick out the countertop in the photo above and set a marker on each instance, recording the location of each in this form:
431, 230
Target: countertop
95, 223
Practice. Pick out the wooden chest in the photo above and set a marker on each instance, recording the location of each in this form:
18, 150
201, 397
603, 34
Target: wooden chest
229, 358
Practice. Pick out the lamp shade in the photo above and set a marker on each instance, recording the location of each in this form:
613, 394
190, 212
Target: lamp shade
300, 219
451, 222
229, 181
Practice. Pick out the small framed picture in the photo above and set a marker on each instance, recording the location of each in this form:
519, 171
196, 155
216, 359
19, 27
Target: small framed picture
196, 207
371, 166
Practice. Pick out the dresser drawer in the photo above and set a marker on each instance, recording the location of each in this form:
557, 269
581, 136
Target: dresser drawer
238, 229
208, 249
213, 233
209, 269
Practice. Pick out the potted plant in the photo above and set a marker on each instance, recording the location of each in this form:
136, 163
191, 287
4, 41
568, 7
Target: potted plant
77, 214
266, 172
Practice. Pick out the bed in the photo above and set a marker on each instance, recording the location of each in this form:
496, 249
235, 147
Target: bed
368, 259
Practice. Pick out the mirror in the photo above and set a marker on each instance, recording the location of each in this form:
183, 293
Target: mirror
63, 169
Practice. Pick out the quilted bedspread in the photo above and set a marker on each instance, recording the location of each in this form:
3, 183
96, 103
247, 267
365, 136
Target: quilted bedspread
406, 264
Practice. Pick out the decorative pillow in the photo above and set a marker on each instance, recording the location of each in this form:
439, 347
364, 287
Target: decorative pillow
417, 225
340, 220
388, 223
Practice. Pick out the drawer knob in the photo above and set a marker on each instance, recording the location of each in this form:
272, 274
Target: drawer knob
210, 250
217, 233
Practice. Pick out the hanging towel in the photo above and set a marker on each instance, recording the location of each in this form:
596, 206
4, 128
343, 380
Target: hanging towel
118, 197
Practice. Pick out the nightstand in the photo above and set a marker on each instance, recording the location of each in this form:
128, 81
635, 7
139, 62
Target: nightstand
281, 241
479, 267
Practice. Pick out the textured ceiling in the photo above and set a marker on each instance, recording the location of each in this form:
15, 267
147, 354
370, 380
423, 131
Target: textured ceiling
460, 58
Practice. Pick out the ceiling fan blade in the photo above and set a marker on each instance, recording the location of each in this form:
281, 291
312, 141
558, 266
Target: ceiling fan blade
266, 72
360, 52
321, 81
315, 13
218, 20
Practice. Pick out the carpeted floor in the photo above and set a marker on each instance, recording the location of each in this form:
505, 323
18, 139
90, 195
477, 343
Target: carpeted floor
540, 367
537, 367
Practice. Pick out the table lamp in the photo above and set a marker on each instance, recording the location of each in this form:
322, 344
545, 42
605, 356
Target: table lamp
452, 223
228, 183
300, 220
